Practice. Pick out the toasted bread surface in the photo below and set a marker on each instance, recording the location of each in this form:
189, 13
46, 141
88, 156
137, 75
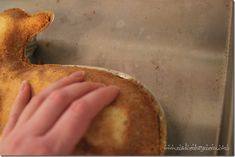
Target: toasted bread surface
131, 125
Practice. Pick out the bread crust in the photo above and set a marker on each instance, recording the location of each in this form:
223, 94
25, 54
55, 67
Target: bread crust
134, 124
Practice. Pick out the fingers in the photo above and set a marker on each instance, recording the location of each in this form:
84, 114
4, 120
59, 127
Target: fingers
21, 101
73, 78
74, 122
56, 103
37, 100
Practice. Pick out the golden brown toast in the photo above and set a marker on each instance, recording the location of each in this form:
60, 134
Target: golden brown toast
131, 125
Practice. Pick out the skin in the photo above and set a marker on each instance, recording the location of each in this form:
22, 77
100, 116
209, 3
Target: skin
53, 122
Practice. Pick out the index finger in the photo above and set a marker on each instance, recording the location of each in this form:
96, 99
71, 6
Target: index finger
74, 77
36, 100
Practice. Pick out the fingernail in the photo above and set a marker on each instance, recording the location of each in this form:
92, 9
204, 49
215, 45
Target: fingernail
23, 85
78, 74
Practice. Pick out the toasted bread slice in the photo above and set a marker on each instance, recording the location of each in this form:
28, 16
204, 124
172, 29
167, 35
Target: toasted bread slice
132, 125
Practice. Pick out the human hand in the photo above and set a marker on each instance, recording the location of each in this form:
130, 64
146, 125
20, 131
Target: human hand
53, 121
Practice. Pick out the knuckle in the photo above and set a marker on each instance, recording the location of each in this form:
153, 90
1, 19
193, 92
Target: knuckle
52, 145
17, 143
79, 107
37, 99
58, 96
66, 80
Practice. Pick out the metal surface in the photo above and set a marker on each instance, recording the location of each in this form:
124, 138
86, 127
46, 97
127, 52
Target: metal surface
177, 48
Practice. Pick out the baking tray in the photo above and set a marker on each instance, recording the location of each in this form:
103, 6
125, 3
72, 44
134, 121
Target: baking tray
181, 50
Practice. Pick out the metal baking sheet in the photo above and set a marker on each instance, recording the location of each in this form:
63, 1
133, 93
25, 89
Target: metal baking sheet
178, 49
